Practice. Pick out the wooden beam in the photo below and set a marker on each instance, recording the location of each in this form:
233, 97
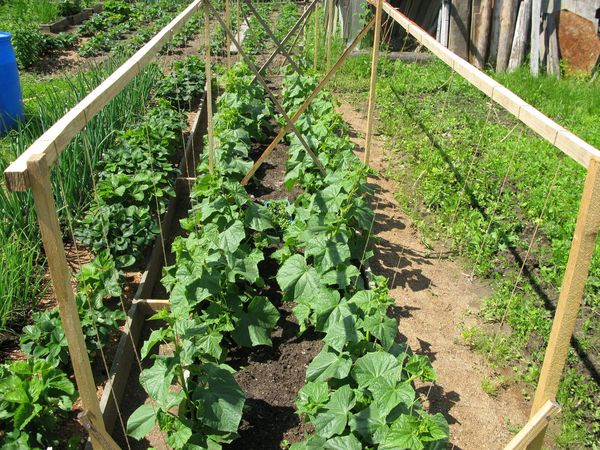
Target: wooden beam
481, 23
571, 293
564, 140
307, 102
38, 170
532, 428
59, 135
373, 82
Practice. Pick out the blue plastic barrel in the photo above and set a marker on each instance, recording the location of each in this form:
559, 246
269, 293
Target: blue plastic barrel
11, 100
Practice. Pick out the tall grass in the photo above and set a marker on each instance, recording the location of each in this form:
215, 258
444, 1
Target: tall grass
20, 251
37, 11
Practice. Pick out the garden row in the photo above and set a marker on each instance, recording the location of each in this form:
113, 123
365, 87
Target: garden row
136, 177
359, 389
122, 27
470, 175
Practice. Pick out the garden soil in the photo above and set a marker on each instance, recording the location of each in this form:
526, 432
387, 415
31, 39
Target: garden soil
435, 301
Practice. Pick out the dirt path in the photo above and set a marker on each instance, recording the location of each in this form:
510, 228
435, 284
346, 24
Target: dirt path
433, 298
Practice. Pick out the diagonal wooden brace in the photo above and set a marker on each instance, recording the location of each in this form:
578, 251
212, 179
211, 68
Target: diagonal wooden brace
267, 29
308, 101
299, 23
262, 81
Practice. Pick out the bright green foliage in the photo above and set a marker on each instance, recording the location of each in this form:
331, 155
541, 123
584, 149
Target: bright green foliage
97, 282
359, 387
34, 396
185, 85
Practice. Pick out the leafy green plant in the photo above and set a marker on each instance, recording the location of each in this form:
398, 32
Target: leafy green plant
34, 397
185, 84
69, 7
97, 282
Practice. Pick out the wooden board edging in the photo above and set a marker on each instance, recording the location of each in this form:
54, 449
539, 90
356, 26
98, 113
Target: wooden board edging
136, 316
548, 129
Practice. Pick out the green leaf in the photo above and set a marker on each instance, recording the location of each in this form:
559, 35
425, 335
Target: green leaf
341, 277
384, 328
367, 369
178, 438
155, 337
348, 442
312, 396
296, 278
157, 381
403, 434
221, 400
333, 420
369, 423
387, 394
254, 327
25, 413
328, 364
230, 239
340, 328
141, 422
258, 217
312, 443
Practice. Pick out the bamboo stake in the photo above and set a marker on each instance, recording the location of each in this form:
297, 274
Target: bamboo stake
267, 29
329, 31
238, 24
373, 82
208, 70
307, 102
532, 428
278, 106
45, 207
228, 41
571, 293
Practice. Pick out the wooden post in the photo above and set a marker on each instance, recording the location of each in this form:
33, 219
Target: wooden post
534, 57
517, 54
228, 41
444, 22
89, 422
238, 24
459, 29
532, 428
316, 36
571, 293
329, 31
307, 102
45, 207
373, 82
481, 25
495, 32
208, 70
553, 52
505, 37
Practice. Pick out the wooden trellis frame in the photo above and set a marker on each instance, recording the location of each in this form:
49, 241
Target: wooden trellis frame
586, 230
32, 171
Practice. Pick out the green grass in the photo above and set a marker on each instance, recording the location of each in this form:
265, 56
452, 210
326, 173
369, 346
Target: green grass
37, 11
452, 148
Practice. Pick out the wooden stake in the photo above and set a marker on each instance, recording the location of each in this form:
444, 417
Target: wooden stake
228, 22
302, 21
208, 70
553, 53
536, 17
316, 37
532, 428
238, 23
272, 96
571, 293
459, 28
89, 422
495, 32
45, 207
517, 53
373, 81
481, 25
307, 102
505, 37
278, 45
329, 31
